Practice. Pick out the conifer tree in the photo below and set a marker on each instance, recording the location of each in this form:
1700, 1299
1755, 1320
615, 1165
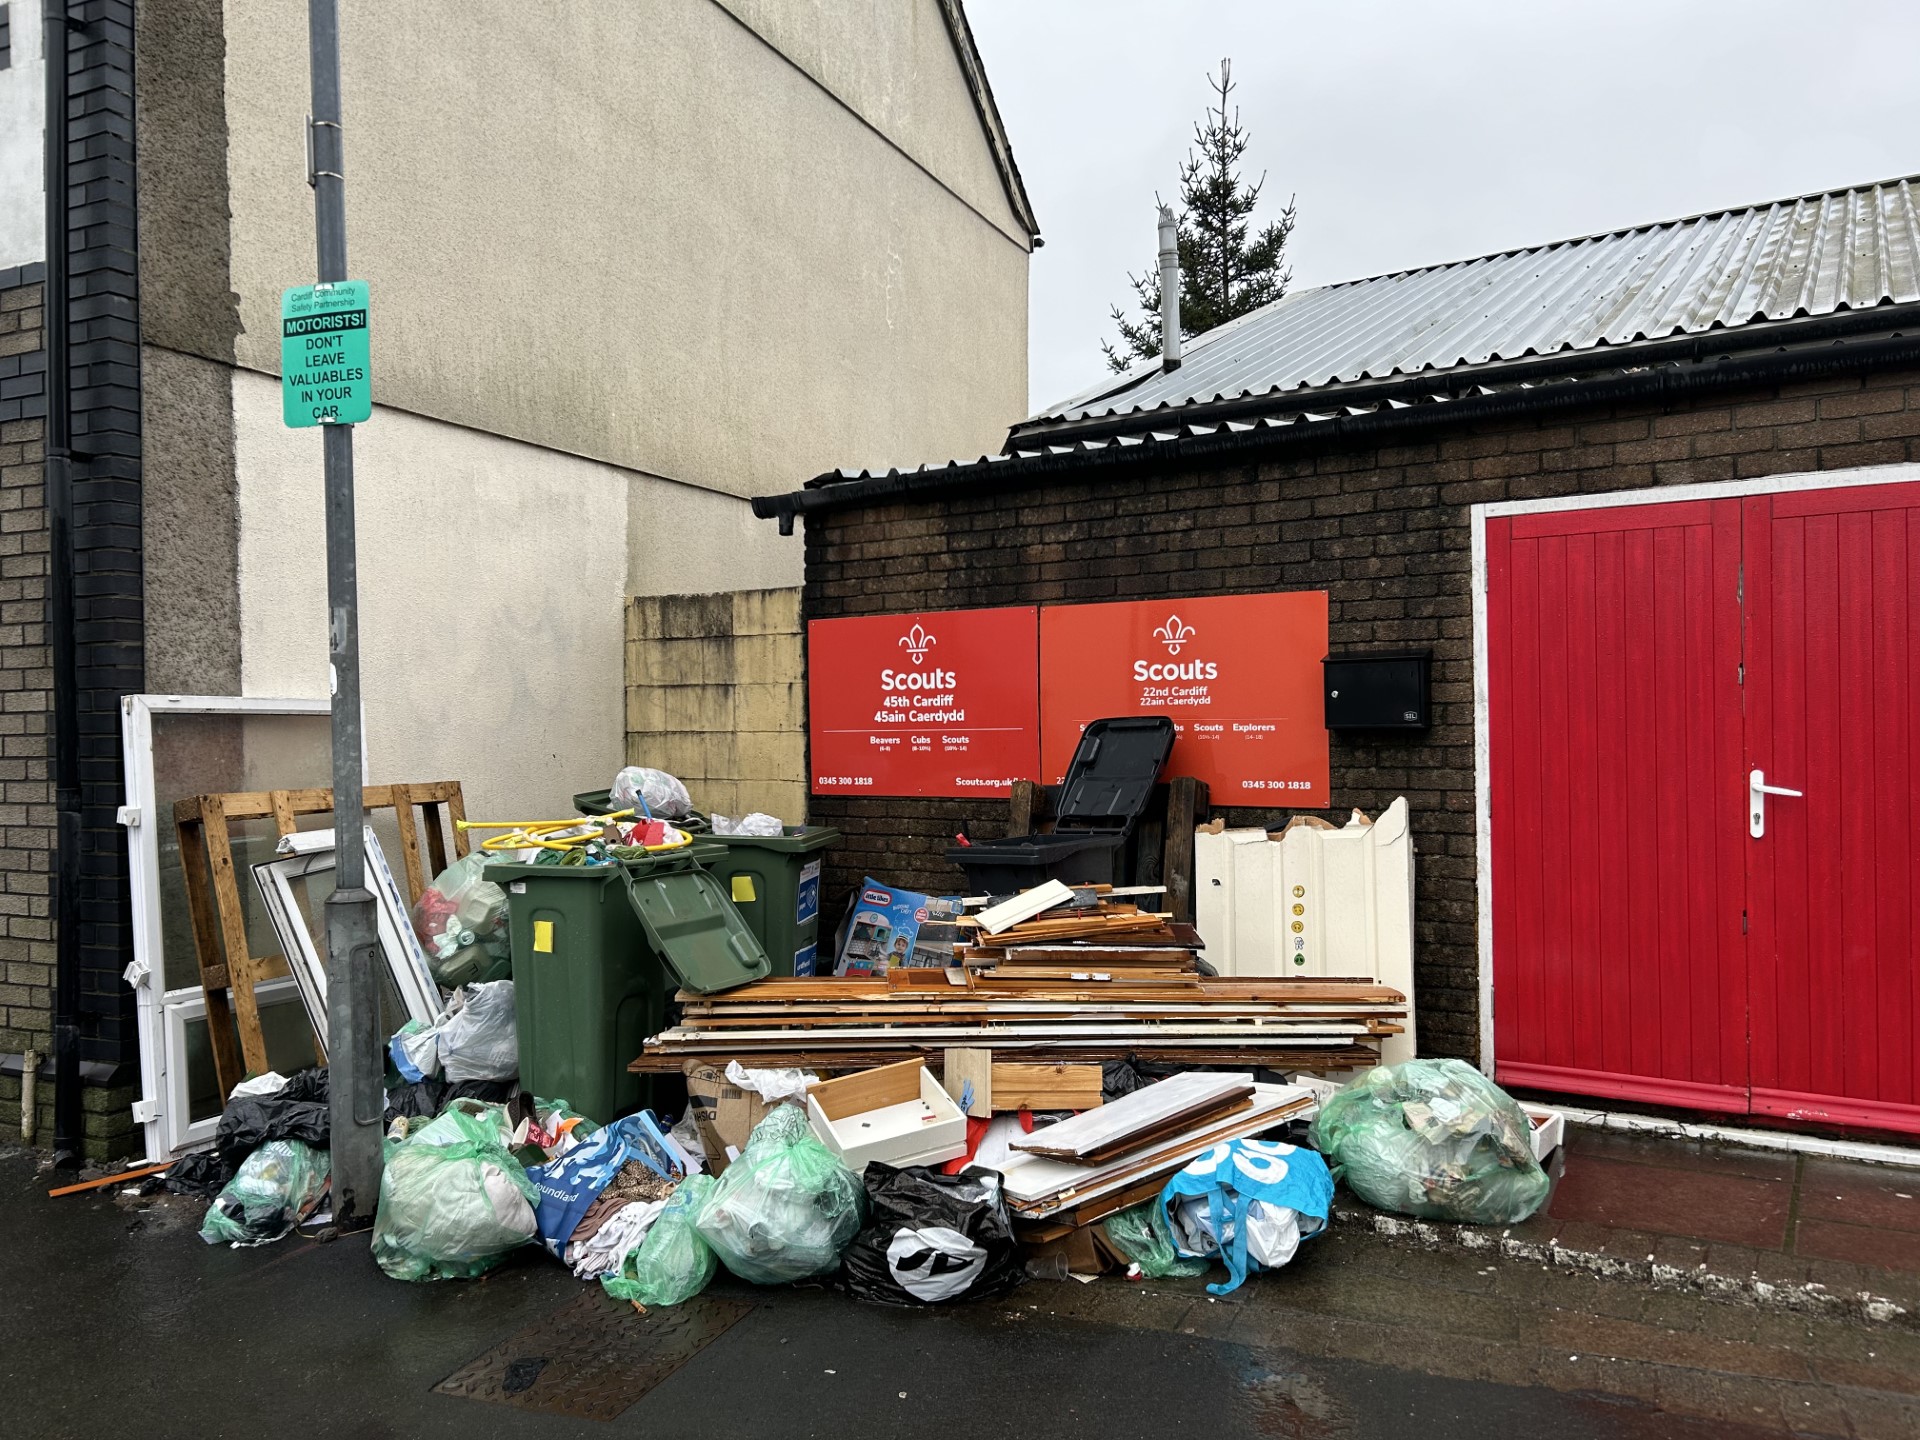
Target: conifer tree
1223, 273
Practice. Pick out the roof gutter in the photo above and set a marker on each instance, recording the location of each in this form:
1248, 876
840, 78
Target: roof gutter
1116, 461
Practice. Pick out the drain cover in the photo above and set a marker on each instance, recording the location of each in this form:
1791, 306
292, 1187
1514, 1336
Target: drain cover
593, 1357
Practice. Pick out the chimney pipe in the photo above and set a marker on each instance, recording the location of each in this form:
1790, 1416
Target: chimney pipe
1169, 290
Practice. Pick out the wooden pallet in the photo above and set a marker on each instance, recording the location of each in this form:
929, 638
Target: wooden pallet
229, 970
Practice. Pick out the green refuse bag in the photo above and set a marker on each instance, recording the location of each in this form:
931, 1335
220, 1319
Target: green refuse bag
1140, 1233
453, 1202
786, 1208
1434, 1139
275, 1188
673, 1263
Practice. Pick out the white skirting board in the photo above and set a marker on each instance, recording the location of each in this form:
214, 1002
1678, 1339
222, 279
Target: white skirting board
1311, 902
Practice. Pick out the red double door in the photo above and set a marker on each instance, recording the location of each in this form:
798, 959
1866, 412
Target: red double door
1664, 929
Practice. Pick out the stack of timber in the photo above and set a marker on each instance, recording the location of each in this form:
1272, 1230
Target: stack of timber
1068, 1175
1043, 1011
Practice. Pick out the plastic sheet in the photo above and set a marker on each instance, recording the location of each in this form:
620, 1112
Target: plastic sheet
786, 1208
276, 1187
453, 1202
474, 1038
461, 919
674, 1263
656, 794
1140, 1233
931, 1238
1434, 1139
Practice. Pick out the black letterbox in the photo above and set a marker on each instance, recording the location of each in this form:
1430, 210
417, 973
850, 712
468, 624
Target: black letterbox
1379, 690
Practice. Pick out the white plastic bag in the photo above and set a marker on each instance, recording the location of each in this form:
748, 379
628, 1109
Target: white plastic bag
772, 1086
476, 1037
1273, 1231
758, 823
654, 792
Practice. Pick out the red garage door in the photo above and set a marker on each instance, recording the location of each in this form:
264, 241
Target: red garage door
1643, 663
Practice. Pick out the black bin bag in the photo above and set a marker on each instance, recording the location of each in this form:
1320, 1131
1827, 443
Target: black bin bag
931, 1238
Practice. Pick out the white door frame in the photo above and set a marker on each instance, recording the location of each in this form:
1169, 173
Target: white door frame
161, 1016
1482, 777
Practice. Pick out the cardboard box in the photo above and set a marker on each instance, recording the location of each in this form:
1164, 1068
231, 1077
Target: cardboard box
896, 1113
722, 1112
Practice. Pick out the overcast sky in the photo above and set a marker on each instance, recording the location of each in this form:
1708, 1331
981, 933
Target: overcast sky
1422, 131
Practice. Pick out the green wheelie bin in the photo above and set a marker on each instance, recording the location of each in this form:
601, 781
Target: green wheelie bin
598, 951
774, 881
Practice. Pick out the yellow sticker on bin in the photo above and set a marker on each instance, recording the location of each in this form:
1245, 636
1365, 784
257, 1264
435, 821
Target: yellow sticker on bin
543, 937
743, 889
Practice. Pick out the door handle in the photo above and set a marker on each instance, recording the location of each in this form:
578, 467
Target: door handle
1757, 792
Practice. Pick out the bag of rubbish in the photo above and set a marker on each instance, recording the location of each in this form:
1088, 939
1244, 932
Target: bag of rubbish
461, 919
275, 1188
453, 1202
569, 1185
198, 1172
1434, 1139
654, 793
473, 1039
673, 1263
757, 823
295, 1111
426, 1097
1248, 1203
931, 1238
786, 1208
1140, 1233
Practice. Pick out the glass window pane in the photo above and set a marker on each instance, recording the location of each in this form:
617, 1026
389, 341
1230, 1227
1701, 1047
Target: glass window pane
283, 1025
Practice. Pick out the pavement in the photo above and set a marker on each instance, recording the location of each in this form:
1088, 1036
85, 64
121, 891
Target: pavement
1782, 1230
120, 1321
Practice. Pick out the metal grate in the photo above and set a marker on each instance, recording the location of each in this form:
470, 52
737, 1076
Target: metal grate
593, 1357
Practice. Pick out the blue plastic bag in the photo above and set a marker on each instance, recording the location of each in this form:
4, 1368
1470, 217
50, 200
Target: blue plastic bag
1248, 1202
568, 1186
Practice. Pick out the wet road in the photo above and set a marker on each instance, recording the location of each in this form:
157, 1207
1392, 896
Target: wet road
119, 1321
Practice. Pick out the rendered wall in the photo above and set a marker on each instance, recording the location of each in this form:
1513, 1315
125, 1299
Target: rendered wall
23, 90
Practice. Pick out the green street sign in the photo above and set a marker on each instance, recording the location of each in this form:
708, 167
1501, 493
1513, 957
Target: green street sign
323, 354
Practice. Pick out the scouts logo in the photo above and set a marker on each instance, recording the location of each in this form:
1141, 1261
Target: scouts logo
918, 642
1173, 634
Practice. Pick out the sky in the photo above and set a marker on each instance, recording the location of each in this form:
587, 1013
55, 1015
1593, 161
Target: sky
1414, 132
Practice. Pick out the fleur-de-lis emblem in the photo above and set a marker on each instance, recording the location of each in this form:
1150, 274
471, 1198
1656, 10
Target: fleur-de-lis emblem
1173, 634
917, 643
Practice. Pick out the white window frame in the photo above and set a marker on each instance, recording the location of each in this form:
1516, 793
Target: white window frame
162, 1110
312, 853
1901, 474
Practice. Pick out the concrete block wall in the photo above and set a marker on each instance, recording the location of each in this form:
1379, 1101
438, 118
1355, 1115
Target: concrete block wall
1383, 529
714, 695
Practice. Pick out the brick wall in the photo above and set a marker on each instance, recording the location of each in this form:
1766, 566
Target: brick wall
714, 697
1383, 529
26, 702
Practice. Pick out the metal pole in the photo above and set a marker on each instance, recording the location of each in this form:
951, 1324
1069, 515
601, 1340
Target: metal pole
353, 1000
69, 1137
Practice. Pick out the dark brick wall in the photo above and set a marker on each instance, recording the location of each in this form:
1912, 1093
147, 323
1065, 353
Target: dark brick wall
26, 784
1383, 529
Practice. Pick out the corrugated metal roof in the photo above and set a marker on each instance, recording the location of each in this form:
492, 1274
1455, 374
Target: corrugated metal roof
1813, 255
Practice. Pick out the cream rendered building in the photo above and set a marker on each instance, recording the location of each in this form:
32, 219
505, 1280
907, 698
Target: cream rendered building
631, 261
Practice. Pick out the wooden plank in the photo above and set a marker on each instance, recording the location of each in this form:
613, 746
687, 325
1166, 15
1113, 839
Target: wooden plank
1180, 1101
409, 844
1023, 809
1024, 1085
228, 1068
869, 1090
1187, 808
964, 1065
233, 935
457, 812
283, 818
1023, 907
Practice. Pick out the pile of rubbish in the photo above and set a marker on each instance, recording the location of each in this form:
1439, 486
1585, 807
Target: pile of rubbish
1015, 1122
